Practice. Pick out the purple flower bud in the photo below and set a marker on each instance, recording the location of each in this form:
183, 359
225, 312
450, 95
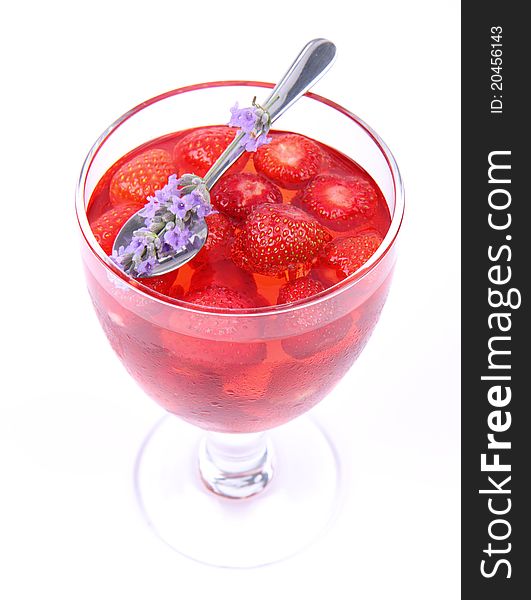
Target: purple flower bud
151, 208
203, 211
196, 198
262, 139
253, 123
179, 207
146, 266
252, 143
177, 238
244, 118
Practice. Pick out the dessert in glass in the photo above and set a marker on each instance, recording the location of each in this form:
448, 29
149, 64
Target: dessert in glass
259, 327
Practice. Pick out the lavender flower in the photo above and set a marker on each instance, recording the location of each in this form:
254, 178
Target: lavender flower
244, 118
145, 267
170, 218
151, 208
176, 238
180, 206
251, 143
254, 122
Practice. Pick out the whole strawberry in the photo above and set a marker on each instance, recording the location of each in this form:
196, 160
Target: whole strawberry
141, 177
106, 227
217, 296
276, 239
301, 288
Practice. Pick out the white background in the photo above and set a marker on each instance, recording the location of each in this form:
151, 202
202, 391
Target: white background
71, 420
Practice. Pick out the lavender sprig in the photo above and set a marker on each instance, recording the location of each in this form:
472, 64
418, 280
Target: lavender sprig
170, 216
254, 121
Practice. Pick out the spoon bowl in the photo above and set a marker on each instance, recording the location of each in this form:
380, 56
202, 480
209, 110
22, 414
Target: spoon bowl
167, 263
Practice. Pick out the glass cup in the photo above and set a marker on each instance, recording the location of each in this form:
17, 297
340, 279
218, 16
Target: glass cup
238, 377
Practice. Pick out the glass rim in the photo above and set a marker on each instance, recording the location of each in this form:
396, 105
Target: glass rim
334, 290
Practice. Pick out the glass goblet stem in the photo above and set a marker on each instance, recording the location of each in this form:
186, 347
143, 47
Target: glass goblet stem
236, 465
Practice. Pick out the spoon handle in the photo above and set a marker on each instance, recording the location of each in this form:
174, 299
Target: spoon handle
310, 65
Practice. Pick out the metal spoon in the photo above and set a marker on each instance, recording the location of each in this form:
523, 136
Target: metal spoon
310, 65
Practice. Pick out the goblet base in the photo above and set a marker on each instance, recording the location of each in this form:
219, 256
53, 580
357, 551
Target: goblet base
296, 507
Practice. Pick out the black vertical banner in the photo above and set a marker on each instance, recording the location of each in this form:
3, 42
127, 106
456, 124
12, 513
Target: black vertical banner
496, 263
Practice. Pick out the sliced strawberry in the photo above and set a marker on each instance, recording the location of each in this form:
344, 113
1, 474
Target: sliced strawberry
218, 242
197, 151
338, 202
106, 227
236, 194
141, 177
278, 238
289, 160
298, 289
347, 255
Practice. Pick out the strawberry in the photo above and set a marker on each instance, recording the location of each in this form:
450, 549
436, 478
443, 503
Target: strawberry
278, 238
298, 289
217, 296
339, 202
223, 273
106, 227
163, 284
203, 340
197, 151
218, 242
289, 160
141, 177
309, 344
314, 328
297, 385
347, 255
237, 194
